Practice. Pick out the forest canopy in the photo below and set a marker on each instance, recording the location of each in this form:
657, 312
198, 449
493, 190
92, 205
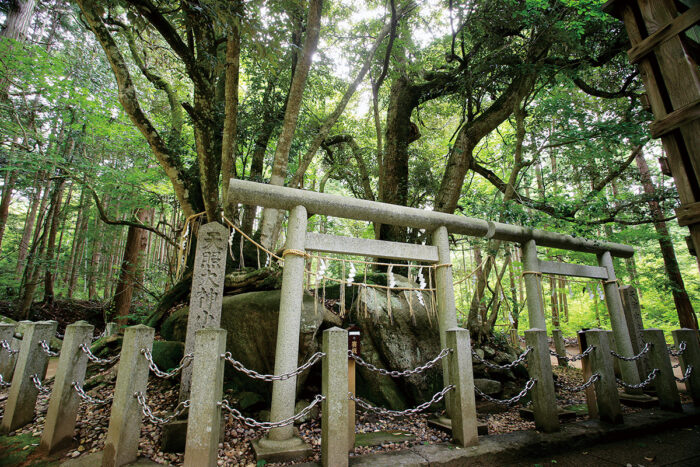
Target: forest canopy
119, 119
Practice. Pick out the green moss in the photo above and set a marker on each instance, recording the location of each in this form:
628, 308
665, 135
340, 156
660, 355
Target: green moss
16, 450
174, 327
167, 354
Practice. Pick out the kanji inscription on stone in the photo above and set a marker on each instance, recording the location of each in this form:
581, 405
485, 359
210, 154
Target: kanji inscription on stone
207, 289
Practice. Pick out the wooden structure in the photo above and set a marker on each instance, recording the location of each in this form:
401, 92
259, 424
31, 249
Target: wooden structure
658, 31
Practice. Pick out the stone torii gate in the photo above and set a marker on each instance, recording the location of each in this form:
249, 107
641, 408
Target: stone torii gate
282, 442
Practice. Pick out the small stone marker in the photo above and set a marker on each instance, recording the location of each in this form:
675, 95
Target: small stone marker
7, 360
204, 420
207, 290
607, 396
665, 382
124, 432
463, 416
544, 400
334, 410
691, 356
19, 408
64, 403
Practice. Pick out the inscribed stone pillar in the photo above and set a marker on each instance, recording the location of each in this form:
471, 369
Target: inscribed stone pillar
124, 432
623, 343
633, 317
64, 402
445, 294
7, 360
207, 290
204, 418
560, 347
533, 286
32, 360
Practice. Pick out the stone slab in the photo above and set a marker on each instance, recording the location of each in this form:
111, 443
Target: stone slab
91, 460
563, 414
377, 438
643, 401
445, 424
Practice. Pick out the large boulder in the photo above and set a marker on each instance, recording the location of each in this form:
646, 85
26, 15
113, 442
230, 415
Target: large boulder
398, 337
250, 320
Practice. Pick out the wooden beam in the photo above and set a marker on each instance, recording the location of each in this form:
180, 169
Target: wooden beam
675, 119
372, 248
688, 214
685, 21
574, 270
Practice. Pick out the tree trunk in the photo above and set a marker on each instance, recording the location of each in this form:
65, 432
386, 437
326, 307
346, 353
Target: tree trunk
129, 269
79, 242
29, 225
55, 208
19, 16
95, 258
686, 313
268, 229
228, 145
8, 187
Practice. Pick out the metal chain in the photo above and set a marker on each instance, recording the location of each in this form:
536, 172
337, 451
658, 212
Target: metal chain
3, 384
529, 385
437, 397
6, 346
679, 352
94, 358
59, 335
644, 383
572, 358
688, 371
251, 422
38, 385
395, 373
254, 374
646, 348
148, 413
595, 377
100, 335
507, 366
163, 374
47, 350
87, 397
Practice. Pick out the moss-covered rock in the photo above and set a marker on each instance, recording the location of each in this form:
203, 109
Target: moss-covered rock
167, 354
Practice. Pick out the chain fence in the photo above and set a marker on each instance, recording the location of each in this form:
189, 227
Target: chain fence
513, 400
437, 397
7, 347
87, 397
594, 377
643, 384
186, 359
679, 352
688, 371
641, 353
148, 413
255, 375
507, 366
47, 350
3, 384
572, 358
37, 384
251, 422
94, 358
395, 373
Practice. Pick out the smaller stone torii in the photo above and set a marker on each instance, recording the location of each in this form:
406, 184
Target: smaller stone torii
282, 442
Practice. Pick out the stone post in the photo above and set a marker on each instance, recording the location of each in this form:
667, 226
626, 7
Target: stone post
64, 402
533, 286
445, 295
633, 317
587, 373
544, 400
122, 442
463, 405
7, 360
601, 362
691, 356
665, 381
559, 346
334, 409
288, 326
111, 329
623, 343
207, 290
204, 419
32, 360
